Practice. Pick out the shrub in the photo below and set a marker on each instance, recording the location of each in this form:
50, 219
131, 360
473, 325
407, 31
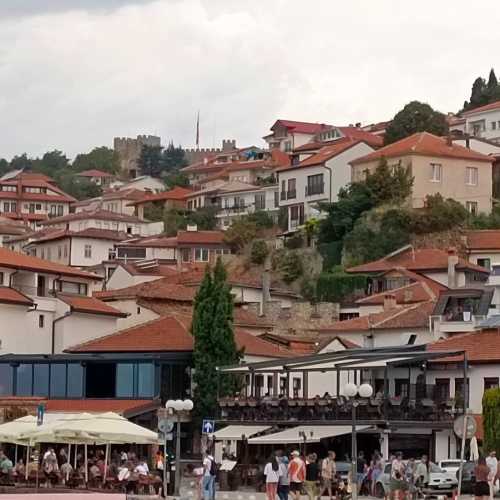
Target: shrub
337, 285
295, 241
259, 252
262, 219
290, 267
491, 419
308, 289
240, 233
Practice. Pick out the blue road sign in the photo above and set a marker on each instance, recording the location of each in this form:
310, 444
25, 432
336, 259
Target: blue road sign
208, 427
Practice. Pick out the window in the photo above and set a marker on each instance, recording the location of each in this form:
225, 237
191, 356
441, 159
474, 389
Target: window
6, 207
276, 199
186, 254
291, 193
283, 190
493, 125
260, 201
459, 389
490, 383
41, 321
24, 380
87, 252
124, 380
41, 379
401, 387
138, 310
201, 254
412, 339
486, 263
471, 176
13, 207
6, 379
75, 380
58, 380
53, 209
442, 389
436, 172
59, 252
38, 206
49, 253
315, 185
287, 146
471, 207
297, 385
71, 287
145, 380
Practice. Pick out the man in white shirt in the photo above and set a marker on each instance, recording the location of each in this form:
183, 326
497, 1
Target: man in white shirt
208, 485
492, 463
142, 468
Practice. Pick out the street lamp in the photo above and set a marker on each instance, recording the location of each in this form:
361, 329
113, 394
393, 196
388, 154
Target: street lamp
351, 391
178, 407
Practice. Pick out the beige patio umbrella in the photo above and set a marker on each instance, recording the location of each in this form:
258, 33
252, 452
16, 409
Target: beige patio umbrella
10, 432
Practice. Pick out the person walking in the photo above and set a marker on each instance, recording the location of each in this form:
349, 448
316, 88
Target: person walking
311, 484
297, 474
482, 473
328, 474
272, 473
209, 472
492, 463
284, 480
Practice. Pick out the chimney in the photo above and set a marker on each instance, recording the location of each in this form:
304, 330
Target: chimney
449, 142
452, 263
358, 125
389, 301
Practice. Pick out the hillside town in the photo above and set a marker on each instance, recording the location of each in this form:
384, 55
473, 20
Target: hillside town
312, 313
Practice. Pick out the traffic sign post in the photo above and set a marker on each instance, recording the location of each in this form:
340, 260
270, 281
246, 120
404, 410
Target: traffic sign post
465, 427
208, 426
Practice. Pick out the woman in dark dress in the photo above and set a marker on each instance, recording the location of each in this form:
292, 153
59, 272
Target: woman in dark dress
482, 487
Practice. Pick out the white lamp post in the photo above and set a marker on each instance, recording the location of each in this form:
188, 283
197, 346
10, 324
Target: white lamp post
178, 407
351, 391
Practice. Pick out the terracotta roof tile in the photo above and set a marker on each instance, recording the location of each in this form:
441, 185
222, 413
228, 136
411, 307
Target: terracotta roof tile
327, 153
93, 233
408, 316
487, 239
12, 296
481, 109
94, 173
200, 237
121, 406
171, 334
423, 144
481, 347
16, 260
156, 241
90, 305
94, 214
177, 193
123, 194
414, 260
354, 133
301, 127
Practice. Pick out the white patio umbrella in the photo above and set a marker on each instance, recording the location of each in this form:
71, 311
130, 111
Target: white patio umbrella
10, 432
474, 449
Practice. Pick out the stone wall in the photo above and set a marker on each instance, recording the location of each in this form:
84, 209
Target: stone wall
300, 319
129, 151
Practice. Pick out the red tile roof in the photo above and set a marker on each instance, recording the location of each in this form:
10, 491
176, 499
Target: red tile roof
167, 334
280, 158
481, 109
373, 140
487, 239
408, 316
123, 194
415, 260
94, 173
90, 305
481, 347
200, 237
156, 241
423, 144
16, 260
92, 233
177, 193
159, 270
12, 296
93, 214
301, 127
124, 407
157, 289
327, 153
9, 227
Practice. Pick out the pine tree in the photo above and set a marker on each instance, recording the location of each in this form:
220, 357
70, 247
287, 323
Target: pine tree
492, 83
478, 96
214, 343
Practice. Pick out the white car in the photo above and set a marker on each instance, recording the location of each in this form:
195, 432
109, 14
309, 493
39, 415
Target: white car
451, 465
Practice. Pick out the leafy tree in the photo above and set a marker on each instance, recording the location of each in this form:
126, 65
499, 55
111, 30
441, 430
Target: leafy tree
4, 166
492, 84
389, 185
53, 163
241, 232
101, 158
21, 162
173, 158
150, 160
415, 117
261, 218
491, 420
214, 342
176, 179
78, 187
154, 212
174, 220
290, 266
483, 92
438, 214
205, 218
259, 252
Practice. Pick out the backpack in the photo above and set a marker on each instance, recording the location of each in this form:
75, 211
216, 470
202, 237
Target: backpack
213, 468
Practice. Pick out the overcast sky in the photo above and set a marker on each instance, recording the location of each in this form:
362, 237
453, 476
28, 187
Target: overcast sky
76, 73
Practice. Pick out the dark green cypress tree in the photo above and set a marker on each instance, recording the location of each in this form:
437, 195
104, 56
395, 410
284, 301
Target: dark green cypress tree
214, 343
492, 82
478, 96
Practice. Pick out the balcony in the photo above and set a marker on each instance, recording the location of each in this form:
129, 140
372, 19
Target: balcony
292, 194
315, 189
283, 195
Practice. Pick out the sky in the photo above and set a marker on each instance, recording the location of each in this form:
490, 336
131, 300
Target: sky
76, 73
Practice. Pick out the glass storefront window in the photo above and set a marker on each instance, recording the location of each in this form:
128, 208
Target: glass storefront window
24, 380
75, 380
6, 380
58, 380
41, 379
145, 380
125, 380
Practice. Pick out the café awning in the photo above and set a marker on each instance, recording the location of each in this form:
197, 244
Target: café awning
236, 432
313, 434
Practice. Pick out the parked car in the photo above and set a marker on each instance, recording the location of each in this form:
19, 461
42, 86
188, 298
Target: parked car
438, 480
451, 465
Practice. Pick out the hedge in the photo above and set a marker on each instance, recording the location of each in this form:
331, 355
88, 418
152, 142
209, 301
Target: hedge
491, 420
335, 287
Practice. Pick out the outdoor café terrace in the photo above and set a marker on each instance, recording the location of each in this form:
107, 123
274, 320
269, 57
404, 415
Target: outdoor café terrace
309, 389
